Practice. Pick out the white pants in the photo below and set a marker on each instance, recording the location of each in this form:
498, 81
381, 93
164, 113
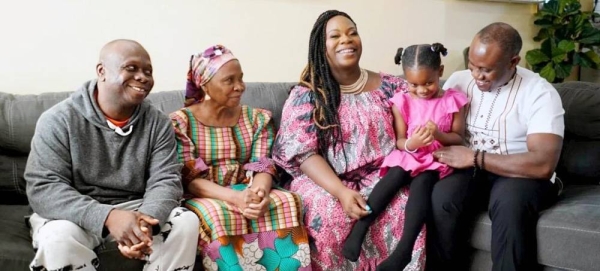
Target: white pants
62, 244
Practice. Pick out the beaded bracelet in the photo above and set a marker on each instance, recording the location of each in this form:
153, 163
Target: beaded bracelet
406, 147
482, 160
475, 166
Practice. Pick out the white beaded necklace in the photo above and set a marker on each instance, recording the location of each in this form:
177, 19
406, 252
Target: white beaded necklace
358, 86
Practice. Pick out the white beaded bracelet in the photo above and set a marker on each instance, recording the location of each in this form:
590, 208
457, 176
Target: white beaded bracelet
406, 147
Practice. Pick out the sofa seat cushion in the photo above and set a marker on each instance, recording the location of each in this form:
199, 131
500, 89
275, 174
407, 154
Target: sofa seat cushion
568, 232
12, 183
15, 242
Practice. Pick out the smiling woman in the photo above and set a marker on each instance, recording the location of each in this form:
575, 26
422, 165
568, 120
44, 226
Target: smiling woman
228, 174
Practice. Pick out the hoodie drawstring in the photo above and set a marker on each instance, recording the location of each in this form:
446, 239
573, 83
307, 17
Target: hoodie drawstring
118, 130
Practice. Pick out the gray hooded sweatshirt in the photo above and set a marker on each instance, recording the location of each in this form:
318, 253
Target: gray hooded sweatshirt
79, 167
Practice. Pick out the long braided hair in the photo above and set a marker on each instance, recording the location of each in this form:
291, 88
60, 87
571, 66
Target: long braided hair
326, 95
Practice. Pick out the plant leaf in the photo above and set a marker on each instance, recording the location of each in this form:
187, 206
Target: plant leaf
548, 72
561, 6
539, 67
551, 8
563, 70
590, 35
583, 60
559, 57
543, 13
593, 56
575, 26
543, 34
577, 59
569, 6
566, 45
547, 46
536, 56
589, 59
543, 22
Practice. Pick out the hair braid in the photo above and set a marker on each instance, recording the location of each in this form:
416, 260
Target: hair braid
326, 96
421, 55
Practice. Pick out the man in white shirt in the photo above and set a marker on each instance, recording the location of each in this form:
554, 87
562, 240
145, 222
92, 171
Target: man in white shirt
514, 135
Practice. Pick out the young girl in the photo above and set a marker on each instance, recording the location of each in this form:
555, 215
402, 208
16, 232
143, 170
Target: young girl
425, 119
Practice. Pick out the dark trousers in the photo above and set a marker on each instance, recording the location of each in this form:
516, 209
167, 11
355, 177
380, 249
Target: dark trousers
513, 205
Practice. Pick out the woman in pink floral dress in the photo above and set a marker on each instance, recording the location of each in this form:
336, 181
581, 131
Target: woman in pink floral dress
336, 130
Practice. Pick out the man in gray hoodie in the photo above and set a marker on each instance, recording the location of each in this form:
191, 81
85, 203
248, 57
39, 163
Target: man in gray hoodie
103, 166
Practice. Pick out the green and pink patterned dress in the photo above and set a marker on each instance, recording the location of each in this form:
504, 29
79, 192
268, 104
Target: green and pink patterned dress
229, 241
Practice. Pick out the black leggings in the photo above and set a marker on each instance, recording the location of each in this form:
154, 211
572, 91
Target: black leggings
417, 208
419, 200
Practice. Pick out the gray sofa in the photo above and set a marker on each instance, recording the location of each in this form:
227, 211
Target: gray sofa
569, 232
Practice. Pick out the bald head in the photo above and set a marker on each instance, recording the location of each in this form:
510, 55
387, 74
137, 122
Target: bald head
117, 50
502, 34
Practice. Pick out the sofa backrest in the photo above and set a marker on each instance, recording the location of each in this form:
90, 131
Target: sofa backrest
19, 114
580, 157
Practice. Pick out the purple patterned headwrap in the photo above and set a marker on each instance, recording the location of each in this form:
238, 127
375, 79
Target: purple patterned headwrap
203, 67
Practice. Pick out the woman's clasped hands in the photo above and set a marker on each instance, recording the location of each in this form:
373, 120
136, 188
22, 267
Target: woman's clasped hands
253, 202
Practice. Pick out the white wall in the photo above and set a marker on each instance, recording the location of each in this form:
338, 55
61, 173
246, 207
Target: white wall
53, 45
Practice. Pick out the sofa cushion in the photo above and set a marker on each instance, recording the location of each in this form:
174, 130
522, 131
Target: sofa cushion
568, 232
482, 260
581, 101
166, 101
270, 96
15, 242
12, 184
579, 161
18, 116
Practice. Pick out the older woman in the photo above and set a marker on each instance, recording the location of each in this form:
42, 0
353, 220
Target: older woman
225, 147
336, 129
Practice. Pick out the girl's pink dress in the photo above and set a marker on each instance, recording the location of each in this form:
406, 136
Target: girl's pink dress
416, 112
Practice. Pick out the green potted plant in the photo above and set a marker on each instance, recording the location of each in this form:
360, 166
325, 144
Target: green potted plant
567, 40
